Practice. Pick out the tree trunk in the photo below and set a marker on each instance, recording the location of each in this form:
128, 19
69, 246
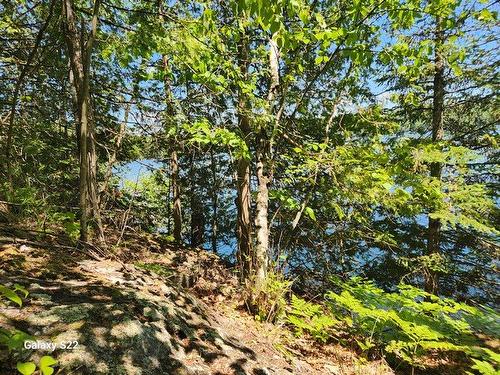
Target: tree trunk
174, 162
261, 221
262, 200
92, 185
434, 229
80, 60
197, 223
244, 227
245, 254
197, 214
169, 202
176, 192
84, 171
214, 195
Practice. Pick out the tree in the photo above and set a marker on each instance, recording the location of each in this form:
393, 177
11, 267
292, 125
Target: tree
80, 57
433, 247
439, 51
17, 89
268, 132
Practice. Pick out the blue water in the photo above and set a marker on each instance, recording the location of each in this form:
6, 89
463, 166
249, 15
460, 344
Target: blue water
134, 170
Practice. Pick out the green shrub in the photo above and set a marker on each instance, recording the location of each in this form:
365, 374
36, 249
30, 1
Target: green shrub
412, 324
310, 318
13, 340
269, 302
27, 197
69, 222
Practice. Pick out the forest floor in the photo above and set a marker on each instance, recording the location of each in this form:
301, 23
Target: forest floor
149, 308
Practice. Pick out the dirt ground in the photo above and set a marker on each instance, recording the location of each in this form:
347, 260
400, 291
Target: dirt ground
149, 309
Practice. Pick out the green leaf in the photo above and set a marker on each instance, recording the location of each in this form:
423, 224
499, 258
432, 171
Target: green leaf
11, 295
320, 19
16, 340
310, 212
26, 368
319, 59
484, 368
486, 15
20, 288
304, 15
46, 363
338, 211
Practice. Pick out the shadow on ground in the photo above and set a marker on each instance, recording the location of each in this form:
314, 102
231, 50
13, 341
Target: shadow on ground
125, 320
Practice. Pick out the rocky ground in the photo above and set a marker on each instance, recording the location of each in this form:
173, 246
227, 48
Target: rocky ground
148, 308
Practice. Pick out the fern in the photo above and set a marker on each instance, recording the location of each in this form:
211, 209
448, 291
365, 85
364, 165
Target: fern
483, 367
412, 324
311, 318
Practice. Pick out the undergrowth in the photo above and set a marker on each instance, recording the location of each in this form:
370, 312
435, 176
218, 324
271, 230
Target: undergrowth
13, 340
269, 302
409, 325
310, 318
157, 268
